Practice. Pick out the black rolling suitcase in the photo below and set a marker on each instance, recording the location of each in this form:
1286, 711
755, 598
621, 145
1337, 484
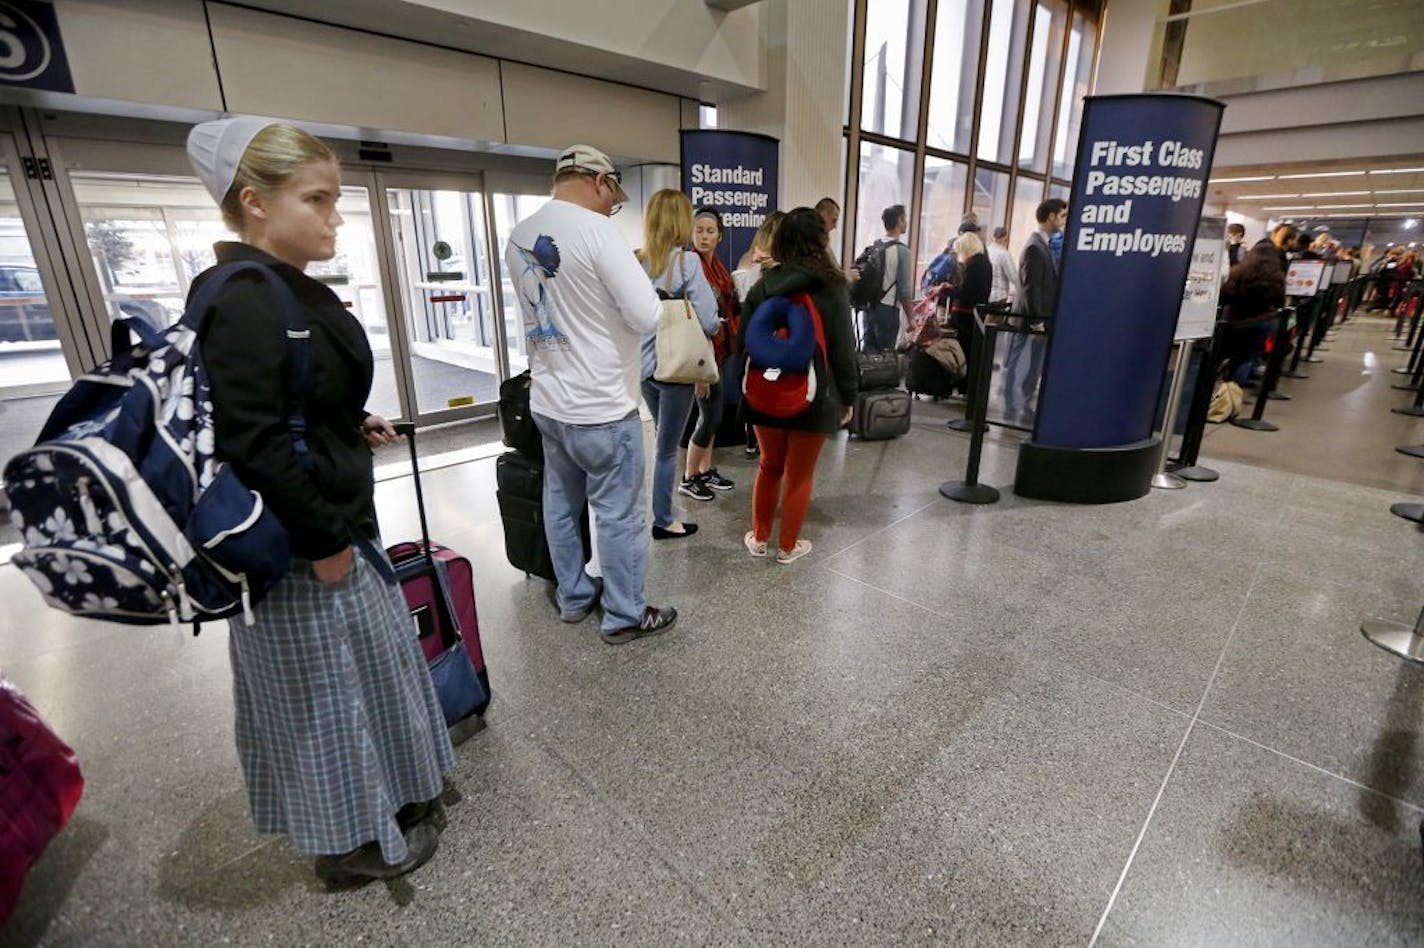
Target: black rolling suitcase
878, 370
519, 481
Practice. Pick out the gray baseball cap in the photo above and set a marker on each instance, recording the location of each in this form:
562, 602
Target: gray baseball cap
215, 149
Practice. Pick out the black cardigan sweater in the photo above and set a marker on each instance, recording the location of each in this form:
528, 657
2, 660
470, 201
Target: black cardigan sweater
244, 347
837, 381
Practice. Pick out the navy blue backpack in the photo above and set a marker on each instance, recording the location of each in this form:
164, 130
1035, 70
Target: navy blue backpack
125, 513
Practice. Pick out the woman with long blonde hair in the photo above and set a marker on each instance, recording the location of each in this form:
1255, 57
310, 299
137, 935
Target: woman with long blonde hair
676, 273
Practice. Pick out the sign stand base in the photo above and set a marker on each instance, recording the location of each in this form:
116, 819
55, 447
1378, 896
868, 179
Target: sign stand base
1087, 475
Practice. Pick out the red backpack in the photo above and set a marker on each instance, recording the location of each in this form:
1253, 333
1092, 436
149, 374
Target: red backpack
780, 380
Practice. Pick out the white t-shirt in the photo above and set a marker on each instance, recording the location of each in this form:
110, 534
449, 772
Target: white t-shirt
587, 304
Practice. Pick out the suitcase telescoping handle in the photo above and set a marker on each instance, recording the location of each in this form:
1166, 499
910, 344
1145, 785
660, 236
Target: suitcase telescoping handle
407, 428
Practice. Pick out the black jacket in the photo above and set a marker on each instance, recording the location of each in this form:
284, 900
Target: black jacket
837, 381
244, 346
978, 282
1039, 277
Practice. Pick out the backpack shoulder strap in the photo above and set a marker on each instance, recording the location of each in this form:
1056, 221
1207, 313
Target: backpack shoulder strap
301, 373
805, 300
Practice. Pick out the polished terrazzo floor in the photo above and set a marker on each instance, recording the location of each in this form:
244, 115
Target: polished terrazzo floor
1152, 723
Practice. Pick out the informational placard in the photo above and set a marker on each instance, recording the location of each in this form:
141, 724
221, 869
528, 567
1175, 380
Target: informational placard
734, 173
1341, 273
1138, 187
1197, 319
1303, 277
31, 49
1326, 276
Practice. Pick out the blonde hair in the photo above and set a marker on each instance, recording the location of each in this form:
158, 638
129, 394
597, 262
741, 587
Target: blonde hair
667, 226
967, 245
272, 159
766, 233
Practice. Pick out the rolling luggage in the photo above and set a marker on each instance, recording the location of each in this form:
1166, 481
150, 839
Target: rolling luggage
519, 483
438, 585
880, 415
926, 375
878, 370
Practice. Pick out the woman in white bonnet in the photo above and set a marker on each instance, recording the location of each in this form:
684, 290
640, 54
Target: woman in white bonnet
341, 738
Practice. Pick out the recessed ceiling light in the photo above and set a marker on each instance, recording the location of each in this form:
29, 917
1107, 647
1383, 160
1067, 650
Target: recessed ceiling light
1341, 207
1322, 174
1397, 171
1399, 191
1290, 207
1332, 194
1269, 197
1403, 204
1264, 177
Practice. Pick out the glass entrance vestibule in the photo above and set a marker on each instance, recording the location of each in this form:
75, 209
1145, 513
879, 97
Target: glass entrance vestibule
123, 227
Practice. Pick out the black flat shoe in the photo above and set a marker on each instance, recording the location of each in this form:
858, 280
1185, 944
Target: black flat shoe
413, 814
365, 863
688, 529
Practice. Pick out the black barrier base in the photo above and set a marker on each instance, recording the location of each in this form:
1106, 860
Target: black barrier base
1255, 424
1278, 397
967, 493
1406, 388
1195, 472
1413, 450
1312, 360
1409, 410
1294, 375
959, 424
1087, 475
1412, 512
1403, 371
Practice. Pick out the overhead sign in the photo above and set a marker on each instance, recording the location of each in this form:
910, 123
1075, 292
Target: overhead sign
1303, 277
31, 49
735, 173
1197, 319
1138, 187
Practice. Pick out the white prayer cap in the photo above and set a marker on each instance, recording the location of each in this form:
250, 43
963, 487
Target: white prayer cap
216, 149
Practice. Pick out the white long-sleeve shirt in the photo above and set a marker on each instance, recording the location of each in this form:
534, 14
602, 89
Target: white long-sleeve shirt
586, 304
1006, 275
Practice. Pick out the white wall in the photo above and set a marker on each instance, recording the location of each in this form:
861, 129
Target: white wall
1129, 45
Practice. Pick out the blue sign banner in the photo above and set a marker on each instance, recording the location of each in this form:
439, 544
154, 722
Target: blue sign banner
1138, 188
734, 173
31, 50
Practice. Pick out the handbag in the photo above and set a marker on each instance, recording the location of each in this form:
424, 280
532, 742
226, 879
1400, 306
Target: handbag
682, 351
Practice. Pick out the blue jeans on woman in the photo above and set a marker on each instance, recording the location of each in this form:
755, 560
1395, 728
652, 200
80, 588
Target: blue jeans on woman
670, 404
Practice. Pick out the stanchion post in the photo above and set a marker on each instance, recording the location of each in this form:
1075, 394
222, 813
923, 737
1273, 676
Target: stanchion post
1307, 319
1162, 480
1407, 642
1186, 466
969, 490
1273, 372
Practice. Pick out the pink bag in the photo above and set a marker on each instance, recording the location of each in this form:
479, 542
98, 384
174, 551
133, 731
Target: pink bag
40, 785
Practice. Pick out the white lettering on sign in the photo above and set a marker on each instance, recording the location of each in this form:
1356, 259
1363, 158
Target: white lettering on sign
1149, 169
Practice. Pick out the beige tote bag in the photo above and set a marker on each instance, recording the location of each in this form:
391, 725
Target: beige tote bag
683, 351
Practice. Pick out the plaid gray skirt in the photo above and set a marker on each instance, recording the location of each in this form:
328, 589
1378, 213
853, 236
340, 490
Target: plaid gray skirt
337, 722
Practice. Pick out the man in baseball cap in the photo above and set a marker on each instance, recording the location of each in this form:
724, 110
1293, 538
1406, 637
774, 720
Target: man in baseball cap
587, 161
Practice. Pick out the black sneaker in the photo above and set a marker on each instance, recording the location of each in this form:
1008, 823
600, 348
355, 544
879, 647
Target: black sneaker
366, 863
716, 481
696, 488
653, 622
753, 451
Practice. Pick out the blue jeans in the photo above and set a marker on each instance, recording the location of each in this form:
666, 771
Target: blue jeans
1021, 375
671, 405
603, 466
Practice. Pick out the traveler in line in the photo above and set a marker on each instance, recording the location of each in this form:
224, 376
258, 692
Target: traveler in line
339, 731
790, 447
974, 289
1235, 236
1256, 286
676, 273
830, 213
1282, 239
1005, 287
892, 310
700, 478
586, 305
1038, 276
756, 261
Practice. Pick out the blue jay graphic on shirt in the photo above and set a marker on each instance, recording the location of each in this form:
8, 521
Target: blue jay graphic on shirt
541, 264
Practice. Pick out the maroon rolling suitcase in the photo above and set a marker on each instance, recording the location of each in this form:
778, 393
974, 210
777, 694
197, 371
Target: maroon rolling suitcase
438, 584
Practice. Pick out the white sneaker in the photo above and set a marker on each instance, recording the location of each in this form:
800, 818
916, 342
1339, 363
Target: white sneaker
801, 548
753, 547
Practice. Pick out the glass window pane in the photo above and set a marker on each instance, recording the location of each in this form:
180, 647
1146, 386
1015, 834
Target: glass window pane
1008, 33
150, 235
1045, 56
1059, 189
1077, 75
958, 24
1028, 194
886, 176
991, 199
894, 52
941, 208
31, 357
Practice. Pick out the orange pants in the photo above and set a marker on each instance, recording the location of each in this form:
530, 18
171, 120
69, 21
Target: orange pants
791, 455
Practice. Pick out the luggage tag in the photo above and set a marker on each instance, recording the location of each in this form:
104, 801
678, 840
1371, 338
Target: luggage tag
771, 375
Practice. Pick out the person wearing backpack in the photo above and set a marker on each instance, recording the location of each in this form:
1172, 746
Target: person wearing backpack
341, 738
676, 273
790, 446
884, 288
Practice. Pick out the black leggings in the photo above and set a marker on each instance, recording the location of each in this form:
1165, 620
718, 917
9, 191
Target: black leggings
709, 416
